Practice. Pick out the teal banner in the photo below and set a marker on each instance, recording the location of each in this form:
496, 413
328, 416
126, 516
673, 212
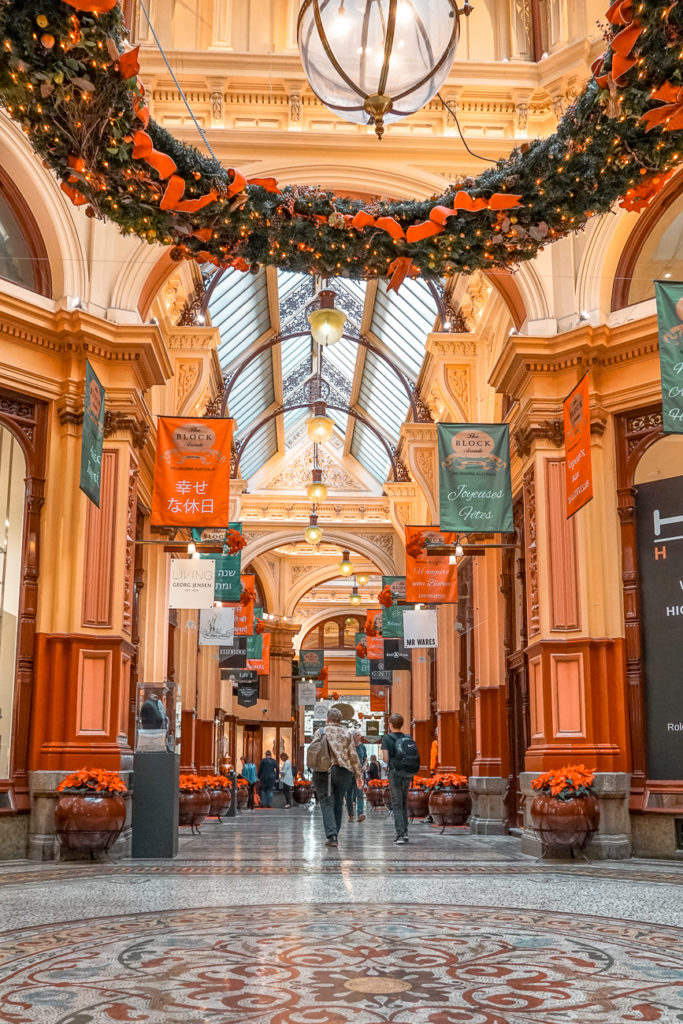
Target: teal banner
475, 491
255, 641
398, 586
311, 663
670, 321
362, 664
392, 621
227, 586
92, 438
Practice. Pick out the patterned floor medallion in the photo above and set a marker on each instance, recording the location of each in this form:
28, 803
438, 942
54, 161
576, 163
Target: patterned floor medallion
362, 964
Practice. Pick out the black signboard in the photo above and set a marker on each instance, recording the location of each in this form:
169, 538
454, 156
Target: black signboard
396, 657
660, 560
380, 673
235, 656
247, 687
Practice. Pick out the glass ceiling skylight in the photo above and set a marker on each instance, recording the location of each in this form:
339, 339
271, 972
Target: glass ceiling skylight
402, 321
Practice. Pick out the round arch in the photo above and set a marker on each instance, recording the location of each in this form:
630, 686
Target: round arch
311, 621
362, 543
317, 576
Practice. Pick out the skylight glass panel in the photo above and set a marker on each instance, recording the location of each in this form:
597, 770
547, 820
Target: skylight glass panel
382, 395
403, 321
253, 393
293, 419
341, 420
355, 288
261, 447
239, 309
287, 282
370, 452
343, 357
296, 351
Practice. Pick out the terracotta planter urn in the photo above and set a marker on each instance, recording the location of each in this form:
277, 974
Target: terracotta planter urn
194, 807
449, 806
242, 796
418, 803
89, 822
375, 797
220, 802
303, 794
564, 824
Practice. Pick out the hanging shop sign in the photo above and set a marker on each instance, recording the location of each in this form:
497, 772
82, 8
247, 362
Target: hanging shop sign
577, 440
255, 641
248, 691
669, 296
262, 663
430, 579
311, 663
216, 627
192, 472
420, 628
378, 697
244, 608
305, 695
372, 728
380, 673
475, 490
192, 581
92, 437
659, 507
362, 662
375, 647
228, 567
396, 656
235, 655
397, 585
321, 708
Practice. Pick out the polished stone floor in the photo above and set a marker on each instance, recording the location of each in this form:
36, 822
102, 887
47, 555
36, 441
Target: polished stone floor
256, 922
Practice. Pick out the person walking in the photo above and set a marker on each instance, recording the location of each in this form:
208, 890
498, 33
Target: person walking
334, 762
267, 775
286, 778
248, 772
373, 768
402, 758
354, 798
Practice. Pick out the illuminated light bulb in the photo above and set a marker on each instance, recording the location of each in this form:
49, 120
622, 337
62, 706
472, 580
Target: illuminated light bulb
317, 490
191, 548
346, 565
458, 550
327, 323
313, 533
320, 427
355, 598
452, 560
361, 579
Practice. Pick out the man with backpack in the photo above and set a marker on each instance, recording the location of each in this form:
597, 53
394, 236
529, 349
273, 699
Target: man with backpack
402, 758
334, 762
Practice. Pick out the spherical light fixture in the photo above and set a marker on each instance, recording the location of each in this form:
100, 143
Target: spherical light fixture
361, 579
327, 323
355, 598
320, 427
375, 61
313, 533
346, 565
317, 490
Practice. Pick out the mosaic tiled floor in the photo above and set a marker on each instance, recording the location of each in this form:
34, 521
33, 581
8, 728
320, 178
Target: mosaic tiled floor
343, 965
257, 923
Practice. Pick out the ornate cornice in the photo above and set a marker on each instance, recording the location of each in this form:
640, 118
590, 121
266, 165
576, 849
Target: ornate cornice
524, 437
121, 421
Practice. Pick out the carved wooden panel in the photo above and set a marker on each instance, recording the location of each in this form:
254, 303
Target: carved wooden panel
100, 537
563, 565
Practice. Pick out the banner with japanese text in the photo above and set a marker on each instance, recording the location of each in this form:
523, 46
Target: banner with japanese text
92, 437
577, 444
192, 472
669, 296
475, 488
430, 579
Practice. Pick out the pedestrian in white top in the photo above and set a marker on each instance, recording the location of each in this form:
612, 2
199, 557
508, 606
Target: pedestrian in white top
286, 778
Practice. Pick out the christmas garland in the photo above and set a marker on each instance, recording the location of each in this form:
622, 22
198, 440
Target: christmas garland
67, 79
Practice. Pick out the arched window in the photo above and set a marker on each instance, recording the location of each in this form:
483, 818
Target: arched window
23, 256
331, 635
654, 249
12, 494
351, 627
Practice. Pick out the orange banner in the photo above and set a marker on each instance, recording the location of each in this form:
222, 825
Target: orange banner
375, 646
244, 609
378, 697
262, 664
430, 579
192, 472
577, 442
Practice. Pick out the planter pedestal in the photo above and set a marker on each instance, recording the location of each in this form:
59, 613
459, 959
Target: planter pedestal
488, 805
612, 841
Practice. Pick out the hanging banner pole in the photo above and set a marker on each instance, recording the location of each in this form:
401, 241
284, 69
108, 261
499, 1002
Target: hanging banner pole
577, 447
669, 295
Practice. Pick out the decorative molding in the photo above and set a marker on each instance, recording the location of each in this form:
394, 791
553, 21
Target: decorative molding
525, 437
115, 421
297, 475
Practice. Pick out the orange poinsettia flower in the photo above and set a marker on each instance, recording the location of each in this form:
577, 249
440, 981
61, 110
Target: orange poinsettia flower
385, 597
378, 784
191, 783
361, 650
415, 546
95, 780
573, 780
234, 541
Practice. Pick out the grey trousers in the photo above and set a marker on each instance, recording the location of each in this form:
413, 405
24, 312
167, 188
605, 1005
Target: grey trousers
398, 788
330, 790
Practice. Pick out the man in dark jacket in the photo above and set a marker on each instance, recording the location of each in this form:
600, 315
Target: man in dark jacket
267, 774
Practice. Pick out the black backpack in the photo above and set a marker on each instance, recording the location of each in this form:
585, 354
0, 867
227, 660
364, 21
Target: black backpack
405, 759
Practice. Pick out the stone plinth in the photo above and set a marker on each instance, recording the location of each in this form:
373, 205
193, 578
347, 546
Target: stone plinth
612, 841
488, 805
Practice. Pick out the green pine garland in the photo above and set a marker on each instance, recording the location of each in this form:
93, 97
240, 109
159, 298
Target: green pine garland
59, 81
